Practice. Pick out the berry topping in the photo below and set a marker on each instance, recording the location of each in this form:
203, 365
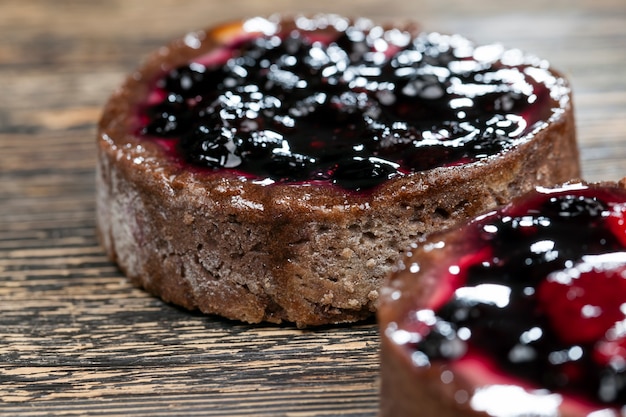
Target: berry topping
542, 292
354, 106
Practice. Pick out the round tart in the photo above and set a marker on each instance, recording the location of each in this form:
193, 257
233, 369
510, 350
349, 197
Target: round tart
274, 169
519, 312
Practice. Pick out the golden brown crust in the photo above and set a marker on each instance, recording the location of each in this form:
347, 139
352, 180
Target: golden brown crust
283, 252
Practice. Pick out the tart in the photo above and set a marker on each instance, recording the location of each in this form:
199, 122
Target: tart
275, 169
519, 312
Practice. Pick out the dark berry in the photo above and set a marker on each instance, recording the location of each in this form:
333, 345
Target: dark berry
612, 386
360, 173
167, 125
259, 145
193, 80
442, 342
285, 165
168, 119
575, 206
354, 43
214, 149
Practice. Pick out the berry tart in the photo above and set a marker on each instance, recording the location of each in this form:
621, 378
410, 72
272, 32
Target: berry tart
519, 312
274, 169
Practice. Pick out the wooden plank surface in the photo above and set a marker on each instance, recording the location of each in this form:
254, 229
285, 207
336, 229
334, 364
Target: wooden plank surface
76, 338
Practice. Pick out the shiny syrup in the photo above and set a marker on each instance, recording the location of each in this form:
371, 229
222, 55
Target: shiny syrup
353, 109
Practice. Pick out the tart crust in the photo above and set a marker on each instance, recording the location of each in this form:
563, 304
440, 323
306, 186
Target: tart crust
298, 253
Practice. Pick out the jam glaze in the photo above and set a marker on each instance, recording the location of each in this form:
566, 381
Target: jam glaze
346, 103
532, 295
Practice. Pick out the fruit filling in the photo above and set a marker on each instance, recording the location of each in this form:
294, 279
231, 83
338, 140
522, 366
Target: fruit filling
542, 293
353, 105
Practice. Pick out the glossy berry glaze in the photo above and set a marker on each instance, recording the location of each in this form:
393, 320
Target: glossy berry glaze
350, 104
538, 291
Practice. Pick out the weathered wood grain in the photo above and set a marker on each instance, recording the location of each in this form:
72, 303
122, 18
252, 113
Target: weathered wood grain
76, 338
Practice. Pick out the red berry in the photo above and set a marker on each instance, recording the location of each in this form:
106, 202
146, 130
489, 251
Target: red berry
610, 351
616, 223
585, 301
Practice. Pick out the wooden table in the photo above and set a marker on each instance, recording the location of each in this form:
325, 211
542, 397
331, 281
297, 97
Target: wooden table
76, 338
